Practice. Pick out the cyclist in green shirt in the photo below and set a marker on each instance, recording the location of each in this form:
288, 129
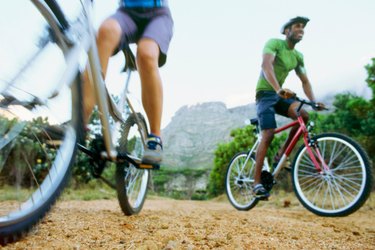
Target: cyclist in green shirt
279, 58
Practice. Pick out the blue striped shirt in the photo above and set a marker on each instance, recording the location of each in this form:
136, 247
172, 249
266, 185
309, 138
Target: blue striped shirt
144, 3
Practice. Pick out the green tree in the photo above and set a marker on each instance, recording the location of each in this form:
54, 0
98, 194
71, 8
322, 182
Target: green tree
25, 152
370, 68
354, 115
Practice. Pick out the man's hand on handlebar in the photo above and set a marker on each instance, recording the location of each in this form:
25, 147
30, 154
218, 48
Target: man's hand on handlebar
319, 106
286, 93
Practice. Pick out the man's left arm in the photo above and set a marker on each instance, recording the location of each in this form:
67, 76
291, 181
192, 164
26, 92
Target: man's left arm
306, 85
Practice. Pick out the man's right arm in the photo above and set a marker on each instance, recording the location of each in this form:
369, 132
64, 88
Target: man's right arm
268, 71
269, 74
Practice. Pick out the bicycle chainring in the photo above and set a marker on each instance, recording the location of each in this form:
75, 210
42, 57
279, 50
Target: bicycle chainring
98, 164
267, 180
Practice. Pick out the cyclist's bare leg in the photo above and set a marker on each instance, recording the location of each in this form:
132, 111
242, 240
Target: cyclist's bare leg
152, 89
108, 39
267, 136
292, 113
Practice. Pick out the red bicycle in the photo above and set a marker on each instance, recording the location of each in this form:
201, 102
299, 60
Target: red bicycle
331, 173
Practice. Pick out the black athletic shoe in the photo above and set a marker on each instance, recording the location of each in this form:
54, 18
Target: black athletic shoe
154, 152
260, 192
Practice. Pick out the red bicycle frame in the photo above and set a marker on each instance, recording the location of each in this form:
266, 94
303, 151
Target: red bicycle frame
302, 130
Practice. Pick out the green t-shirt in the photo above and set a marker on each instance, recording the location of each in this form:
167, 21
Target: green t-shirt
286, 60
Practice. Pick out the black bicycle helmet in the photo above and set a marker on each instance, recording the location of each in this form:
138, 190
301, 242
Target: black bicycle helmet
298, 19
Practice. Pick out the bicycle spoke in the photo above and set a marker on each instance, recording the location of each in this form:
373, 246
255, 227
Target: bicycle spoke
237, 167
335, 155
347, 162
338, 190
344, 178
345, 189
318, 188
346, 182
308, 172
330, 194
130, 185
306, 186
332, 153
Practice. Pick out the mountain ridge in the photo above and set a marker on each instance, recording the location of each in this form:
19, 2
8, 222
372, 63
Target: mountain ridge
192, 135
194, 132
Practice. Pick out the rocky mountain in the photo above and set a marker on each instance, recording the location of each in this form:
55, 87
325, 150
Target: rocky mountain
194, 132
191, 137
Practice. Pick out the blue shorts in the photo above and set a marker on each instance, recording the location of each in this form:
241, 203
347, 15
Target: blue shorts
153, 23
269, 103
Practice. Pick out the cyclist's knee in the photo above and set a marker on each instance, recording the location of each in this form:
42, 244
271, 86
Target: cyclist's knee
110, 32
147, 54
267, 135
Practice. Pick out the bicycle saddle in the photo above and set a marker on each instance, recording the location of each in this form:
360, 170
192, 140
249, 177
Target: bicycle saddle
254, 121
129, 59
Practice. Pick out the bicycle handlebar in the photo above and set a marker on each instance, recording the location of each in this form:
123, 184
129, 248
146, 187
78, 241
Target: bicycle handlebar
314, 105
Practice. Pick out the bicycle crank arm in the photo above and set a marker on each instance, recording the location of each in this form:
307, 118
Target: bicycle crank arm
86, 150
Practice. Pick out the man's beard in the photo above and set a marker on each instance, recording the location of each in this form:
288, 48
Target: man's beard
293, 39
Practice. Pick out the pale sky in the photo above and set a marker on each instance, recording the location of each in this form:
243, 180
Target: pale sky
216, 51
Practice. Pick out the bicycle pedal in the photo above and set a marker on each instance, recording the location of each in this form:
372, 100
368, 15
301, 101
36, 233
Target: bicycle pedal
149, 166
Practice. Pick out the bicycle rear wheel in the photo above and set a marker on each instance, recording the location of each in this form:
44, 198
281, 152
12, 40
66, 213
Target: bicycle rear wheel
239, 181
342, 188
131, 182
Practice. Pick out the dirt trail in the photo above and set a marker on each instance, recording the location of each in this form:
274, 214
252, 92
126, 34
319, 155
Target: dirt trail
171, 224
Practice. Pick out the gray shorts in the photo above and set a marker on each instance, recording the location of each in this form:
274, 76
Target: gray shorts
153, 23
269, 103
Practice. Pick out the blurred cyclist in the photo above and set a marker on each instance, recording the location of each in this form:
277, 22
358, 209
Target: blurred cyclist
149, 24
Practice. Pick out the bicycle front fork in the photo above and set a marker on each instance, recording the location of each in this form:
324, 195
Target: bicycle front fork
314, 150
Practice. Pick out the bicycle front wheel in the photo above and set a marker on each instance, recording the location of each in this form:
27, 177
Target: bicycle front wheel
132, 182
239, 181
40, 118
341, 187
37, 149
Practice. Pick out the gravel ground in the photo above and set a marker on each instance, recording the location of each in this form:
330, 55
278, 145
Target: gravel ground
172, 224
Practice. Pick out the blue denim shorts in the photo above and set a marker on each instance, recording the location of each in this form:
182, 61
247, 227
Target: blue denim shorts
269, 103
